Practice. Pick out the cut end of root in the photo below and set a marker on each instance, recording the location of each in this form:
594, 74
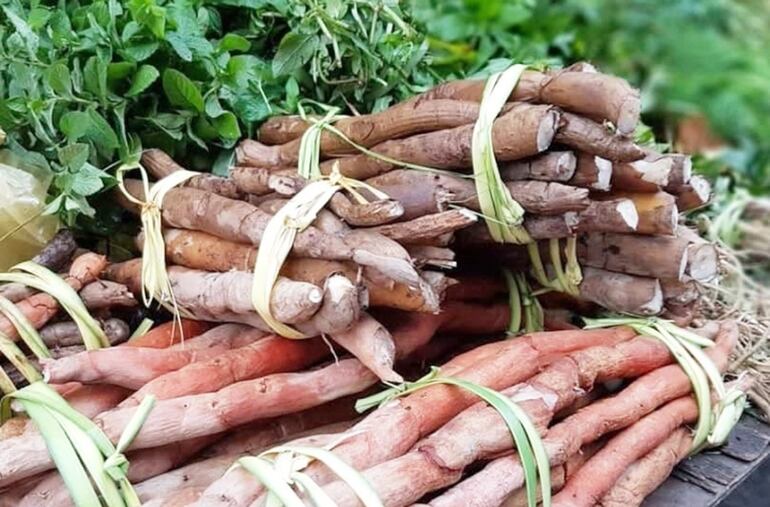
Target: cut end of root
628, 116
655, 305
627, 210
656, 172
547, 130
603, 175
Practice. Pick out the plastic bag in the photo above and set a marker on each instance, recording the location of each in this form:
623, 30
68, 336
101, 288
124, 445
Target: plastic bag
22, 198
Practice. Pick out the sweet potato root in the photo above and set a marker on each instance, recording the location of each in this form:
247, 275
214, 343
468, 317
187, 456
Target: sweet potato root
391, 430
439, 459
40, 308
599, 474
167, 334
133, 367
647, 473
504, 475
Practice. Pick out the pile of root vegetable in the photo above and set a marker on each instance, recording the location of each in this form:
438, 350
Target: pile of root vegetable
391, 277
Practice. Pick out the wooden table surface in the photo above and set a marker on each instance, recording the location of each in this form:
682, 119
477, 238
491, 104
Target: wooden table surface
709, 478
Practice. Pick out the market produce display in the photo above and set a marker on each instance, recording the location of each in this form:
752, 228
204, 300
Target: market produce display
478, 291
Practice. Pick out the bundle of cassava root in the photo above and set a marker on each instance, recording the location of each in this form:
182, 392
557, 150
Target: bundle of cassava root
399, 271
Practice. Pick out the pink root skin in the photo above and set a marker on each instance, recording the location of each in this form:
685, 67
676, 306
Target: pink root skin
392, 430
490, 486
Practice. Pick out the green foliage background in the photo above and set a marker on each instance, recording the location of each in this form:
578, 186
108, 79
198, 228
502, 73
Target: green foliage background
85, 84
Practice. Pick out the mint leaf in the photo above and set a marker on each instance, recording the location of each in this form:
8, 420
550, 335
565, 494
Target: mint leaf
179, 45
181, 91
140, 51
74, 156
58, 78
101, 133
87, 180
226, 126
74, 124
30, 38
143, 79
233, 42
294, 51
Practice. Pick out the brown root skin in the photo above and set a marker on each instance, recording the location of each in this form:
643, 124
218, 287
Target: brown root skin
658, 212
375, 212
620, 292
160, 164
261, 181
592, 172
600, 96
586, 135
102, 294
189, 208
613, 215
644, 175
652, 256
423, 193
57, 252
692, 195
198, 250
426, 227
550, 166
391, 430
214, 293
400, 120
282, 129
66, 333
524, 131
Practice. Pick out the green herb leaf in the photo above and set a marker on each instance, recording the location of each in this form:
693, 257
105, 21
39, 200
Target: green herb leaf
143, 79
30, 38
74, 156
227, 126
74, 125
59, 79
294, 51
233, 42
181, 91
